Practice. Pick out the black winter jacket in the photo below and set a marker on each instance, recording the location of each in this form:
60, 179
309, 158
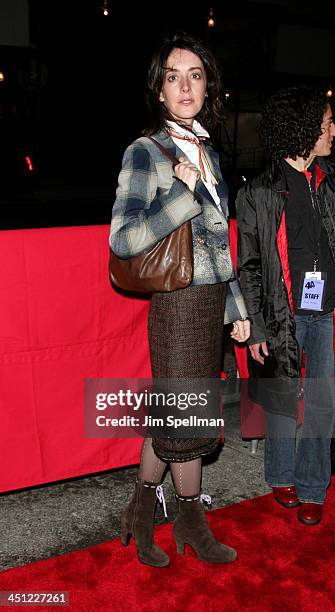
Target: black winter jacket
264, 272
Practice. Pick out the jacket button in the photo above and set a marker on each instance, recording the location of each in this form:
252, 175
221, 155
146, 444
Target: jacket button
223, 246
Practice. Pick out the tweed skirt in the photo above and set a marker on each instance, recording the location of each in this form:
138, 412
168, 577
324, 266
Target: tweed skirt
186, 341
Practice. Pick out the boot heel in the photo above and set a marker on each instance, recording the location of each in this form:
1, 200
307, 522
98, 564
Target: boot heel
180, 547
125, 538
125, 534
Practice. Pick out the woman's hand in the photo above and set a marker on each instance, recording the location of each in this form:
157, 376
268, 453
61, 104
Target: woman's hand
187, 172
258, 350
241, 331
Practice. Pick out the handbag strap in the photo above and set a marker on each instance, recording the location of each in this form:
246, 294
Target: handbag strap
165, 151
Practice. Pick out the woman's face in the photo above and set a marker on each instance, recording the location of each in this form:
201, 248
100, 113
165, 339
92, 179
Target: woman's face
184, 88
323, 145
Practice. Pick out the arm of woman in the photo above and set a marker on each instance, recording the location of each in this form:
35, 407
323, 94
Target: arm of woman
144, 212
250, 268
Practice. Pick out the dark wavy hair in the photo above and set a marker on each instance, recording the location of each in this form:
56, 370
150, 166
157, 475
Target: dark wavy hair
211, 113
291, 122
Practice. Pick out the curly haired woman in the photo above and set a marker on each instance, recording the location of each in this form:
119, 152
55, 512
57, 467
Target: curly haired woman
286, 220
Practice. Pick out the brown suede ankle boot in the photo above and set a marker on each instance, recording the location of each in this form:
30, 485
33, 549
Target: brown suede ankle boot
191, 527
137, 520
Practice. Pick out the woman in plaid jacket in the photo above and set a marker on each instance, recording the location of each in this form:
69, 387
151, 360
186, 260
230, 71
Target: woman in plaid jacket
185, 326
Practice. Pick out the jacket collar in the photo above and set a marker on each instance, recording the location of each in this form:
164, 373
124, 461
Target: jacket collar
326, 164
278, 179
166, 141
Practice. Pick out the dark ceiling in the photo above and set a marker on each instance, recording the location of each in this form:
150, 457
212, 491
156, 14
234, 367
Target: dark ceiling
96, 65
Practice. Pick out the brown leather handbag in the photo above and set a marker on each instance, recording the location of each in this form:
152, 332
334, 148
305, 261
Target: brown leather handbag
167, 266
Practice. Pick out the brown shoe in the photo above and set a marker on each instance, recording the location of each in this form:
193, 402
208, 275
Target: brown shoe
138, 521
310, 513
286, 496
191, 527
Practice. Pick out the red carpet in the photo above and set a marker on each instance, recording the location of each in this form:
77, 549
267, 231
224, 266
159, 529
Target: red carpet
282, 565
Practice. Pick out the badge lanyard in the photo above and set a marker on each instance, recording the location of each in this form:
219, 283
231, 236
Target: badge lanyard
313, 285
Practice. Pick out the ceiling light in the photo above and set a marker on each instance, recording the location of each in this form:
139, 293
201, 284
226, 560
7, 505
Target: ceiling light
211, 20
105, 8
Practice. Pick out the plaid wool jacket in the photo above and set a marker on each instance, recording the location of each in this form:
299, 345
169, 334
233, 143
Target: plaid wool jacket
151, 202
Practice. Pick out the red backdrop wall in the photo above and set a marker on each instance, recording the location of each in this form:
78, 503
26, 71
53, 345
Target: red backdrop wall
60, 321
